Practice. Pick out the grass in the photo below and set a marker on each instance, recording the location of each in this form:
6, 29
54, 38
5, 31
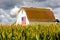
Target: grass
30, 32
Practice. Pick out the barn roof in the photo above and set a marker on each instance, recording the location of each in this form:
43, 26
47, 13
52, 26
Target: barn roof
39, 14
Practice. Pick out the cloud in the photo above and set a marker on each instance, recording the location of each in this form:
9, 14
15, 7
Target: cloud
35, 0
8, 16
4, 16
8, 4
34, 3
39, 0
53, 3
57, 13
42, 3
14, 11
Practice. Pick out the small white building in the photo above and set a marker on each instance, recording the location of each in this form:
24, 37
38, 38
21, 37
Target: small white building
28, 15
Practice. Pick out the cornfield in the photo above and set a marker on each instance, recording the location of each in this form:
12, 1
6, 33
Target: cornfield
30, 32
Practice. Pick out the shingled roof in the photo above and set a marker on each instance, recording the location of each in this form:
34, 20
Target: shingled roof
39, 14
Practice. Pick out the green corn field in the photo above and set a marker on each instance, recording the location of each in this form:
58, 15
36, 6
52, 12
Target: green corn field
30, 32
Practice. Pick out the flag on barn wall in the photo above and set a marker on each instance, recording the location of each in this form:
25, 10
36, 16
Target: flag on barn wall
24, 20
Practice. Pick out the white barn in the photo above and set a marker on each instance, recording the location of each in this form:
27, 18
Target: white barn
30, 15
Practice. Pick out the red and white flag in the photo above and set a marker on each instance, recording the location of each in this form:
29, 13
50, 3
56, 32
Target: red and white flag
24, 20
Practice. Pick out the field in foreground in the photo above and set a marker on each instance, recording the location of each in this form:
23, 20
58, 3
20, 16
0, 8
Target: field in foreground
30, 32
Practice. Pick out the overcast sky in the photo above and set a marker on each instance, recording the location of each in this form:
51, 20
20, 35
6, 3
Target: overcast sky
9, 8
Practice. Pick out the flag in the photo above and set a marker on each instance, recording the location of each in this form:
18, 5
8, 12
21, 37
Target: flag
24, 20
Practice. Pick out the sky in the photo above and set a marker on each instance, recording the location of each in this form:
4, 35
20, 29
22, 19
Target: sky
9, 8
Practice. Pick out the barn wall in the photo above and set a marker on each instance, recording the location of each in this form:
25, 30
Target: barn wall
36, 22
19, 18
21, 14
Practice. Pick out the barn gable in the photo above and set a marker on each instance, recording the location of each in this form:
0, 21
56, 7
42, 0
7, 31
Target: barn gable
37, 14
22, 18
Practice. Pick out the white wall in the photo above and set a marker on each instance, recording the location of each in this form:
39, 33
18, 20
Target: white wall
21, 14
